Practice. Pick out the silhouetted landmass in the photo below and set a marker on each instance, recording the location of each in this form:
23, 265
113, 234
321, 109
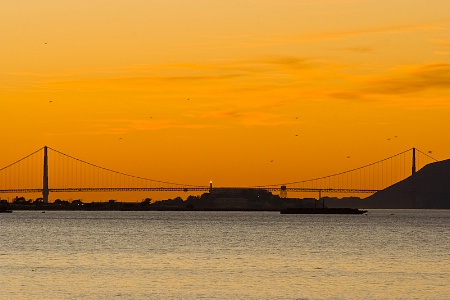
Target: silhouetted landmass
429, 188
225, 199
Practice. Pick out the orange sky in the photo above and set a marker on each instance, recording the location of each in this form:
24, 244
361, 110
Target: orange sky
193, 91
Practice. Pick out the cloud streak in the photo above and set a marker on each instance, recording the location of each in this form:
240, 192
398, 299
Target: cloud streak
246, 118
360, 50
426, 77
214, 119
125, 126
410, 81
340, 35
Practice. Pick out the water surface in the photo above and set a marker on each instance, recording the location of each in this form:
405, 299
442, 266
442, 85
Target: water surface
386, 254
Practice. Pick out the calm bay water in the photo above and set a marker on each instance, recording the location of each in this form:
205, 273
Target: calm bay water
386, 254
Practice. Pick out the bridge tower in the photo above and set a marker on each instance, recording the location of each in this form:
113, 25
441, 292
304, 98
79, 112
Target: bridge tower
45, 191
413, 183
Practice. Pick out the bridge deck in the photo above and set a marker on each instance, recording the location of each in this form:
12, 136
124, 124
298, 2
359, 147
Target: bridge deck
184, 189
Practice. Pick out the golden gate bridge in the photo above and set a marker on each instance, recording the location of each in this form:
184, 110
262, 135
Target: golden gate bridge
31, 174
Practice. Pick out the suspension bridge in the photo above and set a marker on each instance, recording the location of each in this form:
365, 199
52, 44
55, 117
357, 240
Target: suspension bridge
31, 174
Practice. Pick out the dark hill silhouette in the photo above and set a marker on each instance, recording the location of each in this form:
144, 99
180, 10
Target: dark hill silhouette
428, 188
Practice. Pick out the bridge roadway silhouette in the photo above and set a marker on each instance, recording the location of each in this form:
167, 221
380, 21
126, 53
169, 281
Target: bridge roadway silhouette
332, 183
186, 189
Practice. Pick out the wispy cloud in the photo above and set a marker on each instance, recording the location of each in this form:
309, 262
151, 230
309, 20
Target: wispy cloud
251, 92
406, 81
125, 126
141, 125
247, 118
226, 80
129, 82
361, 49
339, 35
213, 119
425, 77
233, 66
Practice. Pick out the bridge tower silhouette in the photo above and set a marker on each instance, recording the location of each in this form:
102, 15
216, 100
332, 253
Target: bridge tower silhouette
45, 190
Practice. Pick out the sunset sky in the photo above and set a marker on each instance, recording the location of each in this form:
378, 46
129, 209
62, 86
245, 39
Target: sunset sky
239, 92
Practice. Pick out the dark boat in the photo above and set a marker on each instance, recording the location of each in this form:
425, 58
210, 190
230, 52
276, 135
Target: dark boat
323, 211
5, 211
